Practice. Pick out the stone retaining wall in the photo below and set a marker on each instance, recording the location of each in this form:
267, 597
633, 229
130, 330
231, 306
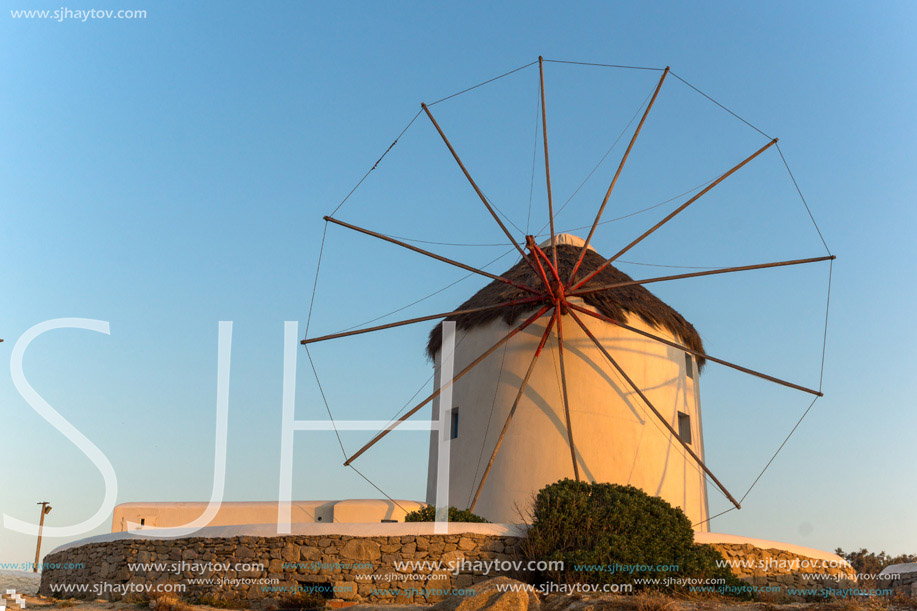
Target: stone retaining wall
905, 584
249, 569
774, 567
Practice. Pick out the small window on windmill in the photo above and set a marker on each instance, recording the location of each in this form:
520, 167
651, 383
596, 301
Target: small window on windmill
454, 416
689, 366
684, 427
142, 522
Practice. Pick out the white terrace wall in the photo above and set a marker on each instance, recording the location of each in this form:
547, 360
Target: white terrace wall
138, 516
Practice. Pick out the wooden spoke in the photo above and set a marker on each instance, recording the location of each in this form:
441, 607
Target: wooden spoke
533, 248
563, 384
433, 255
411, 321
528, 321
633, 139
696, 353
547, 163
553, 269
672, 215
474, 185
512, 411
712, 272
658, 415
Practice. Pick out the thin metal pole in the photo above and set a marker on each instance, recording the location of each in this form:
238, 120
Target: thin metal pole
713, 272
512, 411
435, 393
411, 321
41, 524
633, 139
432, 255
696, 353
547, 163
654, 410
475, 185
563, 383
673, 214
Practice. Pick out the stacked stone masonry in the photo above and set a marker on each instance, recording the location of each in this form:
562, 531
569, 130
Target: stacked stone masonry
246, 569
774, 567
905, 584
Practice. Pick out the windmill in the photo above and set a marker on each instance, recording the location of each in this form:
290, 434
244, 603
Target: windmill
565, 298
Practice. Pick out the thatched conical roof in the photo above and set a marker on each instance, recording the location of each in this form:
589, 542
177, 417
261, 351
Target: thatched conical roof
615, 303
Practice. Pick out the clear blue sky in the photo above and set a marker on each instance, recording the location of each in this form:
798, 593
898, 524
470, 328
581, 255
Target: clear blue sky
168, 173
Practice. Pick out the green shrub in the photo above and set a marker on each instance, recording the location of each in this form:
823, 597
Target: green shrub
428, 514
606, 533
